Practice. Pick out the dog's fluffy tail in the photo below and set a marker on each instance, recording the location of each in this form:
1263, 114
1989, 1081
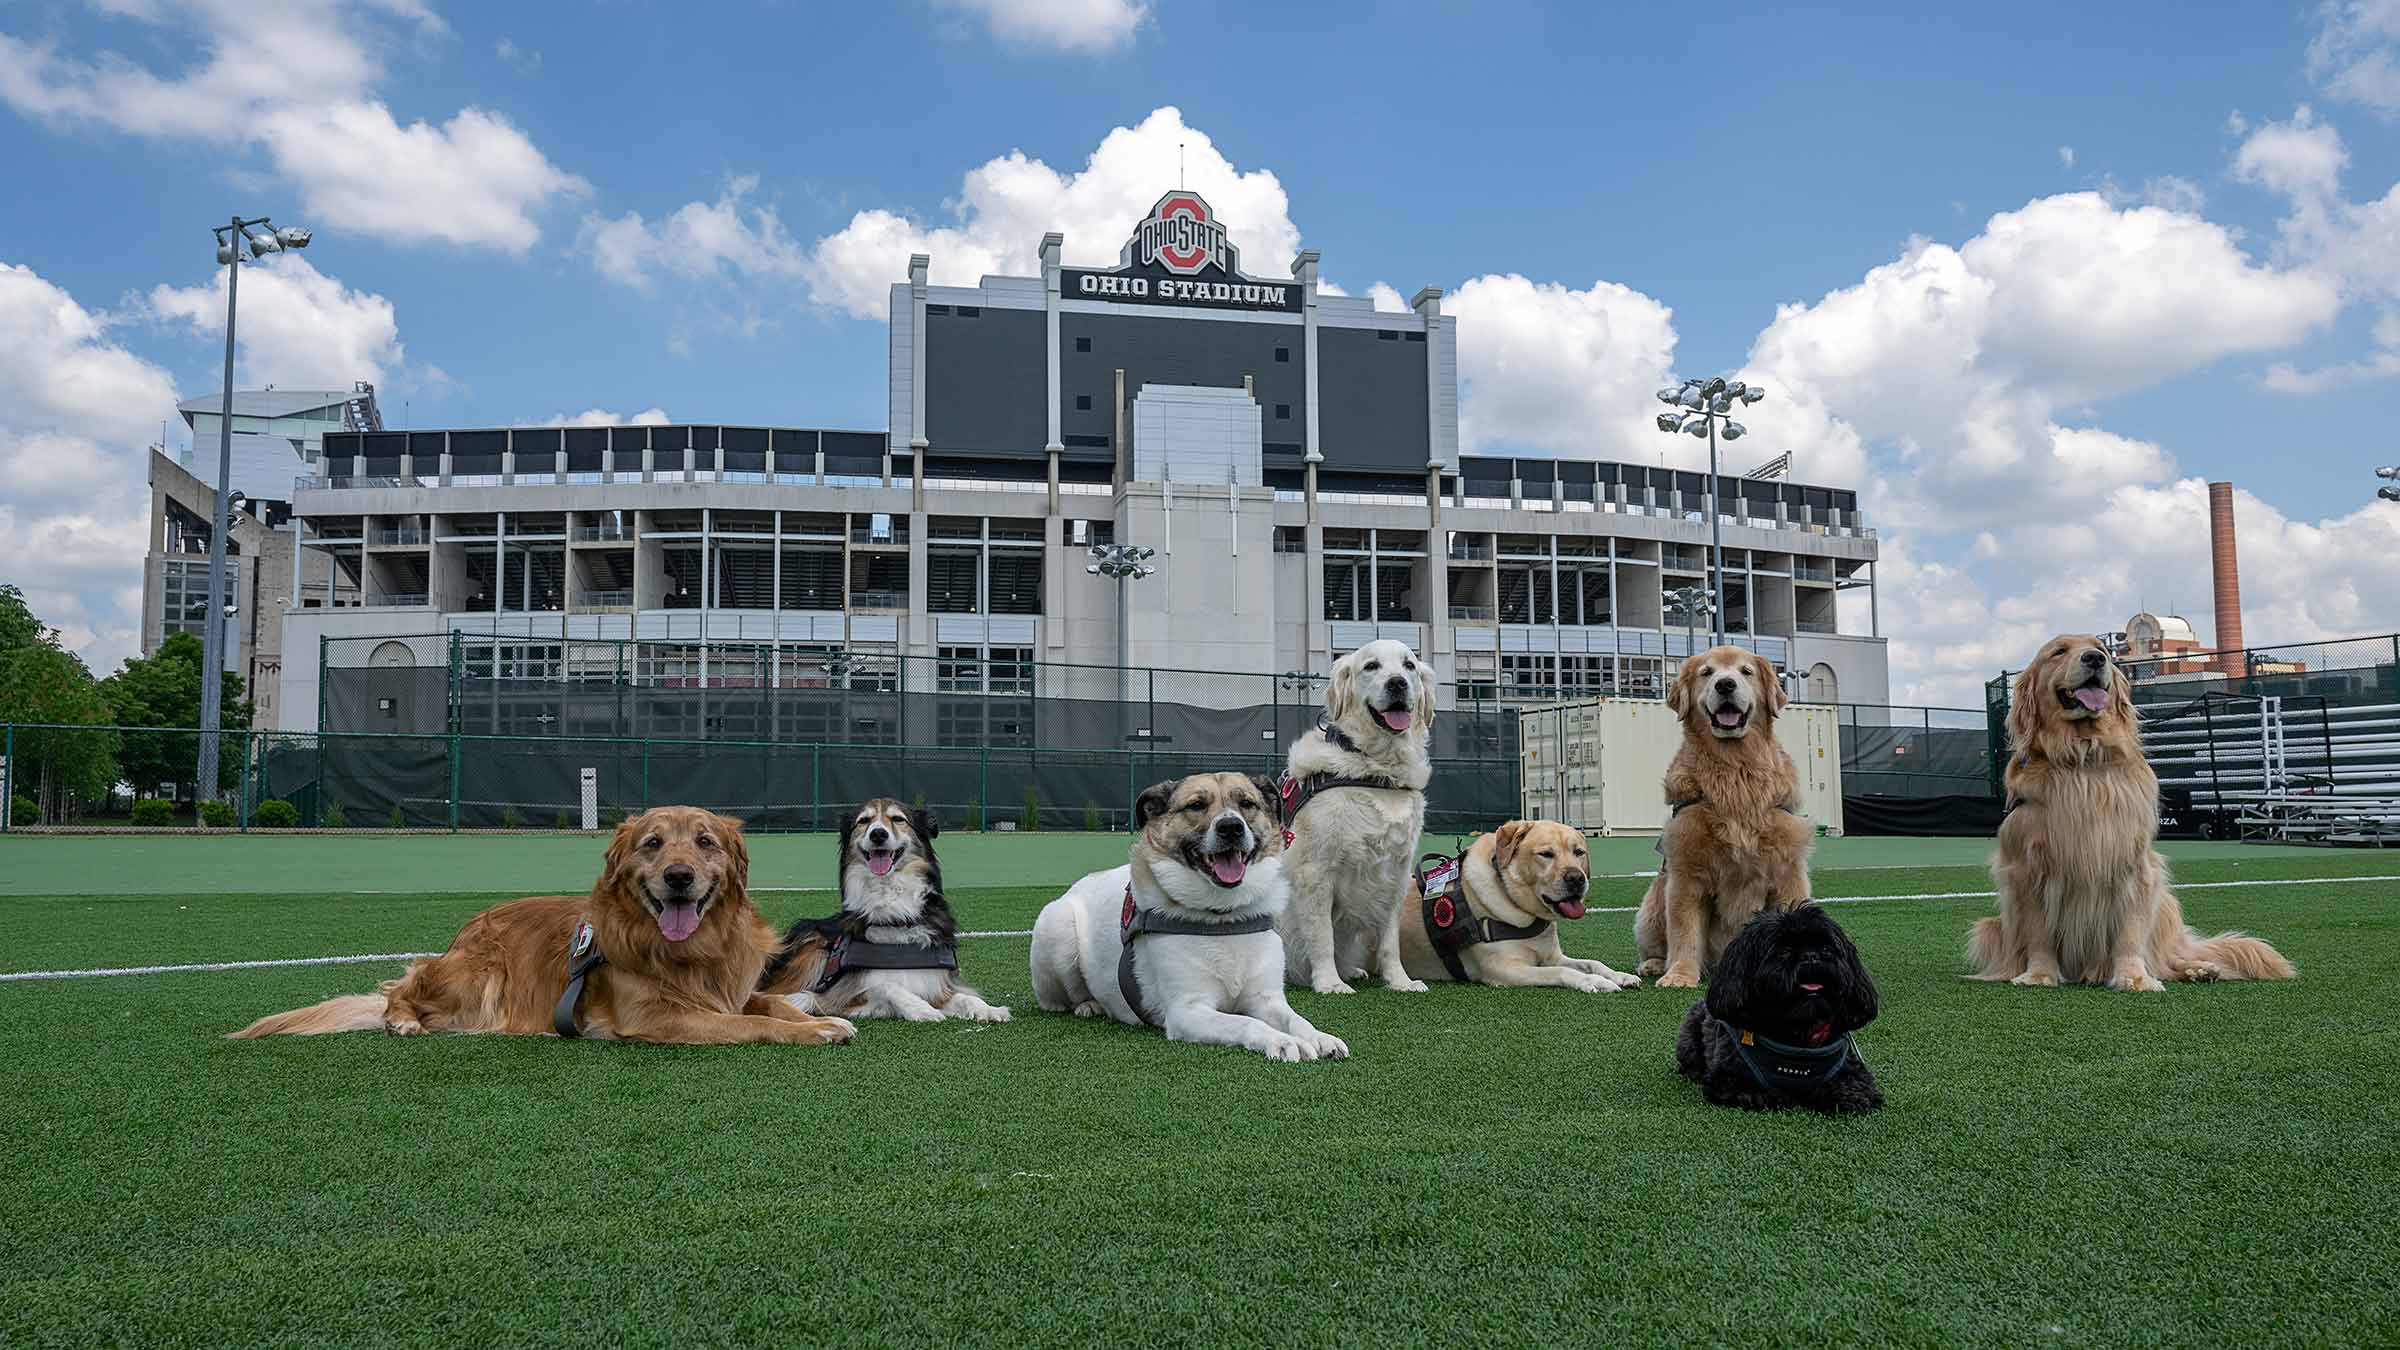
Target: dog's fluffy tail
2242, 957
350, 1012
799, 959
1987, 950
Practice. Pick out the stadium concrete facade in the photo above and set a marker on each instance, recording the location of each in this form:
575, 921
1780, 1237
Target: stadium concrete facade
1290, 454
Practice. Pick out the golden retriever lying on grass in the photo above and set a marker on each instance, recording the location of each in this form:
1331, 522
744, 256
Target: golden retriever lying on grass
2083, 896
681, 950
1736, 843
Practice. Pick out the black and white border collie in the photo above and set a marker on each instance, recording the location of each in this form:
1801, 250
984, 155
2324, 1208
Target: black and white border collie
894, 930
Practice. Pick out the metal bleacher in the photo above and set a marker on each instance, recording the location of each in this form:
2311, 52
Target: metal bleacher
2300, 768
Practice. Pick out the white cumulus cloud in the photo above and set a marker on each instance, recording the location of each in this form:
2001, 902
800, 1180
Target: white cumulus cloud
1075, 26
298, 328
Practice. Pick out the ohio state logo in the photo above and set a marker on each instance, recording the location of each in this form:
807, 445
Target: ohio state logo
1182, 236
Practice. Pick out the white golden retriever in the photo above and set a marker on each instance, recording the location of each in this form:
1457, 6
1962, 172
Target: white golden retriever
1354, 792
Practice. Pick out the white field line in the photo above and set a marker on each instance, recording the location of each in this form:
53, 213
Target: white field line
9, 977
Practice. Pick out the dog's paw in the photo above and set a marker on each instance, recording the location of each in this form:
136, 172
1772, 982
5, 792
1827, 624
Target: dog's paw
2036, 979
1352, 972
1331, 1047
1286, 1049
1625, 981
2136, 982
835, 1031
1332, 987
927, 1013
1652, 968
1679, 979
404, 1026
2202, 971
989, 1013
1407, 986
1592, 984
1089, 1008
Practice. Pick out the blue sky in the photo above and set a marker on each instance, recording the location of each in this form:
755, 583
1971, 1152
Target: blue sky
2048, 265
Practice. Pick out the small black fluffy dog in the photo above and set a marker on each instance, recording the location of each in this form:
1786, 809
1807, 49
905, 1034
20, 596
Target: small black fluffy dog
1775, 1028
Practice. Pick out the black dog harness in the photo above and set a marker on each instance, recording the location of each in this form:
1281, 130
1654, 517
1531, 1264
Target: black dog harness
848, 954
1451, 925
1294, 794
583, 957
1134, 922
1790, 1068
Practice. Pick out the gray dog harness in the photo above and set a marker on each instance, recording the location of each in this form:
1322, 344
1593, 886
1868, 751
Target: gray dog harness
1135, 921
1790, 1068
583, 956
1451, 925
849, 954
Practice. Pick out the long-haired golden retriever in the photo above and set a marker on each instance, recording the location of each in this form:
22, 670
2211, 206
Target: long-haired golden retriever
1736, 843
2083, 896
682, 951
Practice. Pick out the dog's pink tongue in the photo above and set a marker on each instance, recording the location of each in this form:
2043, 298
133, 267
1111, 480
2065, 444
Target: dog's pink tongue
2093, 700
880, 863
1399, 719
679, 921
1570, 909
1729, 717
1229, 867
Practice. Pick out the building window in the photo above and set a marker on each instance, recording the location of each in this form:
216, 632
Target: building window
1283, 356
959, 671
1083, 344
950, 581
1083, 403
1283, 412
1387, 337
1016, 581
1291, 539
1010, 670
1085, 533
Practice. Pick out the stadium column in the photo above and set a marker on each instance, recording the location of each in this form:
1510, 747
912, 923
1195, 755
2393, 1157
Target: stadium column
1436, 585
1316, 636
1054, 563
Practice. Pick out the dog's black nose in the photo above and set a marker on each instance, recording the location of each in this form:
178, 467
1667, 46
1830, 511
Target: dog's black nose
678, 877
1229, 827
2092, 660
1725, 685
1397, 684
1576, 883
878, 835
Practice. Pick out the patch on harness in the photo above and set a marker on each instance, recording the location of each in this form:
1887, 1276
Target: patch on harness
583, 940
1125, 916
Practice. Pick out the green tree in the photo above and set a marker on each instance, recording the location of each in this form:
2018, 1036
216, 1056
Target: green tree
163, 690
59, 761
18, 627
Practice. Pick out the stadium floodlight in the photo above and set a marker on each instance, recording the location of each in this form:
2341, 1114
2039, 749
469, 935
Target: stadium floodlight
1753, 394
1701, 404
1720, 404
1714, 387
1736, 389
1698, 426
1668, 421
2388, 494
1734, 431
262, 238
1690, 397
1670, 396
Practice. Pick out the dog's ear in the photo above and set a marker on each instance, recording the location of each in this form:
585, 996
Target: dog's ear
1679, 691
1153, 803
1428, 693
929, 826
1773, 698
1273, 790
1734, 995
1505, 841
2120, 705
619, 846
2023, 697
1342, 688
1859, 1002
849, 831
737, 853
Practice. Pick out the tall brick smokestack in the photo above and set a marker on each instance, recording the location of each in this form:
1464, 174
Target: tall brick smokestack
2227, 572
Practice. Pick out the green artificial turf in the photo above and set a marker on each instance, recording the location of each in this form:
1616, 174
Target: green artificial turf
2056, 1166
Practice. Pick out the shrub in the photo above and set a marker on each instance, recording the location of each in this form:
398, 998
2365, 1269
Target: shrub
334, 819
974, 816
154, 813
1033, 808
22, 811
562, 824
1091, 817
611, 817
398, 820
277, 814
510, 820
216, 815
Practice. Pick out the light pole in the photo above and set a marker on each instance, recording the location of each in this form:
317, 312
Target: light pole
1700, 405
259, 238
1691, 602
2389, 494
1125, 562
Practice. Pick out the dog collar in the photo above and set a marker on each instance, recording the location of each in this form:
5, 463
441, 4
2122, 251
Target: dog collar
583, 957
1778, 1067
1451, 924
848, 953
1135, 921
1293, 794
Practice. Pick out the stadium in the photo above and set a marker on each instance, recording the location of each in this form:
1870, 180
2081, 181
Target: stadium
475, 650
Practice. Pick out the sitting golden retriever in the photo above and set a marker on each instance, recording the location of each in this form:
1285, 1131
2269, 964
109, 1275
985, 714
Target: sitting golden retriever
666, 948
1736, 842
2083, 896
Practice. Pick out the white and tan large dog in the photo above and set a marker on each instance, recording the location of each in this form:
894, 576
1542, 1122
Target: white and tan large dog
1183, 935
1358, 785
